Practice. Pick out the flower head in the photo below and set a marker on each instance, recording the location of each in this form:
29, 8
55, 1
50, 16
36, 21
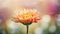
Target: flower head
27, 16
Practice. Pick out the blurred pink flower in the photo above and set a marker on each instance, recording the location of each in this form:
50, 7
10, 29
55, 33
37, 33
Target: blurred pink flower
51, 8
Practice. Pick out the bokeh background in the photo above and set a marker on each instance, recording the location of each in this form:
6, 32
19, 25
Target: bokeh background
49, 11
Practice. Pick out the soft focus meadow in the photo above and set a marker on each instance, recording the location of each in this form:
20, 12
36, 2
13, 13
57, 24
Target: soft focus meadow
49, 11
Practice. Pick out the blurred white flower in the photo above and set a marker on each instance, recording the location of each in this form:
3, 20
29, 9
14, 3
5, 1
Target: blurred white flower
52, 29
58, 20
38, 30
14, 27
45, 21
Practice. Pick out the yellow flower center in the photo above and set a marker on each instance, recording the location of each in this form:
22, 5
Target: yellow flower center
26, 15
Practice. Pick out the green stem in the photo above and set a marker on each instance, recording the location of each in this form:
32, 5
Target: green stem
27, 29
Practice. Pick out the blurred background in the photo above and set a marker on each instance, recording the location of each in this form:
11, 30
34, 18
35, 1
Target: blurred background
49, 11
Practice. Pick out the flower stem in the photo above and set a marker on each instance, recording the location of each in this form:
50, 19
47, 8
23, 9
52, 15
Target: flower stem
27, 29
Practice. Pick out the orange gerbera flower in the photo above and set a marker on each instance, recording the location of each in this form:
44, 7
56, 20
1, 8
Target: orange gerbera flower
27, 17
